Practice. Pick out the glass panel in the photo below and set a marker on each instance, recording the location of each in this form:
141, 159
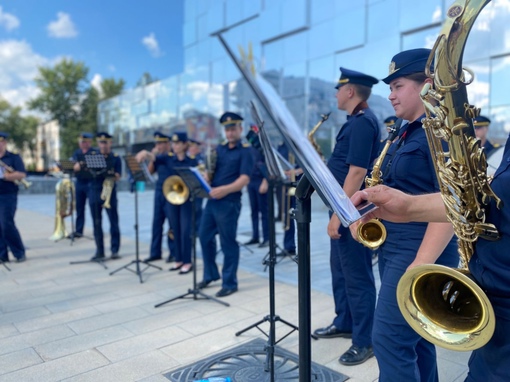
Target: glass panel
215, 17
273, 56
294, 15
381, 22
320, 11
419, 13
497, 15
318, 39
294, 80
233, 11
478, 91
189, 34
345, 25
422, 39
323, 69
500, 78
500, 124
202, 30
295, 48
271, 20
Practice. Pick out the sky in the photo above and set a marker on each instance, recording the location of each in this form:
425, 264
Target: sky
113, 38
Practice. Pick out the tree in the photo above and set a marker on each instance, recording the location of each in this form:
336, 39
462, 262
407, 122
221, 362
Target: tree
111, 87
21, 130
62, 88
146, 79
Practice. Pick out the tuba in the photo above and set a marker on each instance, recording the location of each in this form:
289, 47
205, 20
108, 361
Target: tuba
65, 203
175, 190
445, 305
372, 233
210, 163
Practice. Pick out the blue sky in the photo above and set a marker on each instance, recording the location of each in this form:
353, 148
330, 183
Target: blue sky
114, 38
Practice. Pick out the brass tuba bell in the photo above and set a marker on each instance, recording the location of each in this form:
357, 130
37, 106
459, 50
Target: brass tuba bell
175, 190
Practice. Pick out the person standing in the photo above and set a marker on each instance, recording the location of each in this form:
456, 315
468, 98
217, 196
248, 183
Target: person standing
180, 214
96, 203
83, 179
356, 148
481, 125
11, 172
195, 152
234, 165
400, 352
158, 159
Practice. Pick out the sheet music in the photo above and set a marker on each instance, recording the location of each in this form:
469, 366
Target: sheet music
200, 178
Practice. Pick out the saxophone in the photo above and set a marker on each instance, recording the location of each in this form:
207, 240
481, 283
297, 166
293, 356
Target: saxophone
444, 305
373, 233
106, 192
65, 204
324, 118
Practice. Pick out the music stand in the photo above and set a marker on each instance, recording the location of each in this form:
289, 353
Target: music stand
198, 188
275, 177
137, 174
96, 165
5, 265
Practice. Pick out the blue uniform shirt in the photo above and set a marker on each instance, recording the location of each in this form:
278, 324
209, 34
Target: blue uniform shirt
259, 169
164, 169
357, 144
490, 264
231, 163
113, 164
14, 161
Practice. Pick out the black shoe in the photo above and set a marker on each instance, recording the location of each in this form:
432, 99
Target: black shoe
97, 258
252, 241
356, 355
286, 253
223, 292
203, 284
176, 267
330, 332
170, 259
21, 259
77, 235
185, 270
264, 244
115, 256
149, 259
4, 260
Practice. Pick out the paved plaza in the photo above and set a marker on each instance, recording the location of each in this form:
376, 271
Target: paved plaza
76, 322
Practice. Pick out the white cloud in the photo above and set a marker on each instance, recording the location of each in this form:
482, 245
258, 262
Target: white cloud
8, 21
96, 82
63, 27
152, 45
18, 68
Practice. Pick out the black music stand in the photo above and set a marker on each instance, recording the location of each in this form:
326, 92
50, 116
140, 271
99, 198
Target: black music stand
5, 265
96, 165
198, 188
137, 174
275, 177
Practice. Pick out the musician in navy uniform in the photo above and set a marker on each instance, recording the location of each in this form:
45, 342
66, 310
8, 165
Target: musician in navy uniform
9, 234
257, 192
114, 170
481, 125
356, 148
180, 215
400, 352
233, 169
158, 159
489, 265
83, 179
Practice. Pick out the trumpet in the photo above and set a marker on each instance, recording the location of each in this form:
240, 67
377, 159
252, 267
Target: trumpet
8, 168
106, 192
372, 233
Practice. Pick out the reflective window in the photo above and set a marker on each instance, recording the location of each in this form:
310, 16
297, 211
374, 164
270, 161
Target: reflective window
497, 15
422, 39
414, 14
500, 78
382, 21
189, 34
478, 90
273, 56
295, 48
294, 80
324, 69
344, 26
215, 17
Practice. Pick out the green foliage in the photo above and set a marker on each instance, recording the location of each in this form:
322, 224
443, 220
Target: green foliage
68, 97
21, 129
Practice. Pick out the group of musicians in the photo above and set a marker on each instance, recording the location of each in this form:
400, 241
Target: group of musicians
379, 330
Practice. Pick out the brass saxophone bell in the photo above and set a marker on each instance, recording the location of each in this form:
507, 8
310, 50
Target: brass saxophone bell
372, 234
446, 307
175, 190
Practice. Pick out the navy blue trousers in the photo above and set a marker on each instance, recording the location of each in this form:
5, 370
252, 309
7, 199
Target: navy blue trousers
9, 234
220, 216
353, 288
81, 191
161, 212
259, 208
96, 207
180, 221
289, 235
401, 353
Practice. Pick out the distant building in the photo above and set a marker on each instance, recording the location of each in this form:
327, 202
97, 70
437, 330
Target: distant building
47, 147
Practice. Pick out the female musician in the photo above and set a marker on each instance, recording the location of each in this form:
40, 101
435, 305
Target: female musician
401, 353
180, 215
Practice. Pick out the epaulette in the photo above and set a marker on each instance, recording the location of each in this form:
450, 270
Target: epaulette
15, 152
496, 145
115, 155
361, 112
191, 156
246, 145
225, 142
170, 154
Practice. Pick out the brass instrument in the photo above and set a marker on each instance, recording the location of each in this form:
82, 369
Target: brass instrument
106, 192
175, 190
373, 233
444, 305
210, 163
324, 118
64, 206
8, 168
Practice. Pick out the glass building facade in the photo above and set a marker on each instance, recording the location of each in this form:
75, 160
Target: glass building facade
299, 45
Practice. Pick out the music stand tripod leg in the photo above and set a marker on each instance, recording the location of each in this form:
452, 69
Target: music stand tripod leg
5, 265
